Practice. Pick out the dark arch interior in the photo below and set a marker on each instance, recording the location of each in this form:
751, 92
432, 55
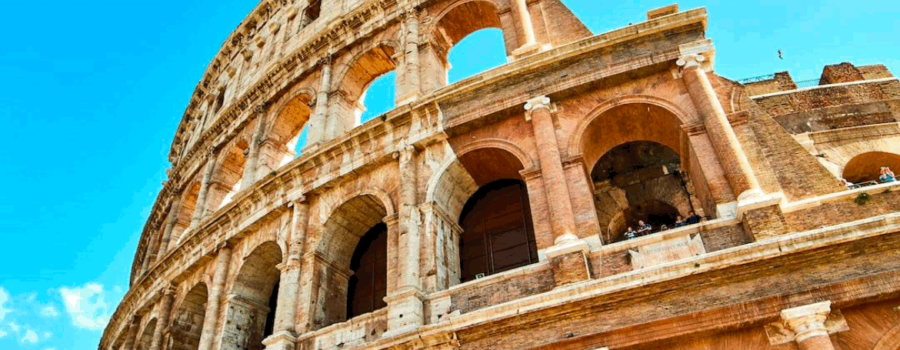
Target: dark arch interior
867, 166
368, 284
628, 159
498, 234
187, 323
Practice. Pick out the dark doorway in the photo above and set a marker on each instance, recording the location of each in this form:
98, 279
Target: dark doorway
270, 317
497, 230
368, 285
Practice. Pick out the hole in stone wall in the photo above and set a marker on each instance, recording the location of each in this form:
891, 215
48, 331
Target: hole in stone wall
378, 98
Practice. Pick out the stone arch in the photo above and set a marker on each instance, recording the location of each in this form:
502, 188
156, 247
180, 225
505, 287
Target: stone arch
186, 208
371, 61
143, 341
340, 237
865, 166
890, 340
282, 130
464, 17
450, 186
187, 318
641, 120
251, 300
228, 172
524, 159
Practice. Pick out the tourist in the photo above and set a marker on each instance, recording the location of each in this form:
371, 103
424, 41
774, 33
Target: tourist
643, 228
692, 218
849, 185
630, 234
663, 227
887, 175
679, 222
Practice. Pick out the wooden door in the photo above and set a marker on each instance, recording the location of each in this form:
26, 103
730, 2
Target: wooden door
368, 285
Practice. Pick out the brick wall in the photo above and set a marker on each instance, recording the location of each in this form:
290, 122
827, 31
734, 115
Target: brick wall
881, 202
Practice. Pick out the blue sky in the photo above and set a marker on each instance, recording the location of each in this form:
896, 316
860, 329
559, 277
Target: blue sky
91, 95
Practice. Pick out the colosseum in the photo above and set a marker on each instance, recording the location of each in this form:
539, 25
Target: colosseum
499, 212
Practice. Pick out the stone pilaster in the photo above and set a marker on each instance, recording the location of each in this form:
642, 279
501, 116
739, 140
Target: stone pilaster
131, 336
214, 301
317, 122
200, 208
412, 89
284, 336
252, 163
524, 16
170, 225
808, 324
405, 306
737, 167
568, 254
165, 311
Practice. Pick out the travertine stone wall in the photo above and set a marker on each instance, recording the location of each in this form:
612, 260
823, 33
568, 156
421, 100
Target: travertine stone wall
242, 214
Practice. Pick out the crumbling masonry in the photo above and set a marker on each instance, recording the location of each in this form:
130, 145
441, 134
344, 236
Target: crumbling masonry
488, 214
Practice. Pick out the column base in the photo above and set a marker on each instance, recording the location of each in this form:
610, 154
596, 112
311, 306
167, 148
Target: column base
762, 216
406, 311
569, 260
282, 340
526, 50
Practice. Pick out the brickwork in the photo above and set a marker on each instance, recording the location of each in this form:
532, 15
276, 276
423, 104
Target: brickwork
251, 246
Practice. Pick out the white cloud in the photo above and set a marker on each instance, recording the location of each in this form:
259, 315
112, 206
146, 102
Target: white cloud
50, 349
87, 306
30, 337
49, 311
14, 327
47, 335
4, 297
3, 334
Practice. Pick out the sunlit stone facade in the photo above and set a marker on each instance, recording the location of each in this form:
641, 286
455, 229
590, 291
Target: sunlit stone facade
490, 213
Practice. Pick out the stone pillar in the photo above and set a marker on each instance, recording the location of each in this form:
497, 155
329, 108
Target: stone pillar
405, 306
131, 336
165, 311
170, 225
317, 122
568, 253
412, 81
150, 253
284, 336
214, 301
562, 221
808, 324
737, 167
530, 45
249, 175
200, 208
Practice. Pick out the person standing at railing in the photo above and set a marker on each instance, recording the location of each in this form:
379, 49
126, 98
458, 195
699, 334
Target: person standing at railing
887, 175
847, 184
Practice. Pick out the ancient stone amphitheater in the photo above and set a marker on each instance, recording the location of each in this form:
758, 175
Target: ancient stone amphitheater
490, 213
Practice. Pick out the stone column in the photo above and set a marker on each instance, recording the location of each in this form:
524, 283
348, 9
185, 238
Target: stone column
131, 336
165, 311
808, 324
411, 59
405, 307
568, 253
284, 336
737, 167
200, 208
150, 253
252, 164
562, 220
213, 304
170, 225
317, 122
521, 8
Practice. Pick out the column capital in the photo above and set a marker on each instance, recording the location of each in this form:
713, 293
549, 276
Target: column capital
325, 60
807, 321
535, 104
692, 60
405, 153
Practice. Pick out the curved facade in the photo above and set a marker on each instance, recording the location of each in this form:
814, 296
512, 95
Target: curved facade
493, 213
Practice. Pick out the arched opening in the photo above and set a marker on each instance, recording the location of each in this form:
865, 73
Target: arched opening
253, 300
640, 181
378, 98
462, 63
642, 170
226, 179
353, 244
368, 284
348, 105
187, 320
185, 213
143, 342
498, 234
866, 167
286, 135
454, 26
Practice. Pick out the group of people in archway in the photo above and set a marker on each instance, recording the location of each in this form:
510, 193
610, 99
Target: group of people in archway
647, 229
886, 175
